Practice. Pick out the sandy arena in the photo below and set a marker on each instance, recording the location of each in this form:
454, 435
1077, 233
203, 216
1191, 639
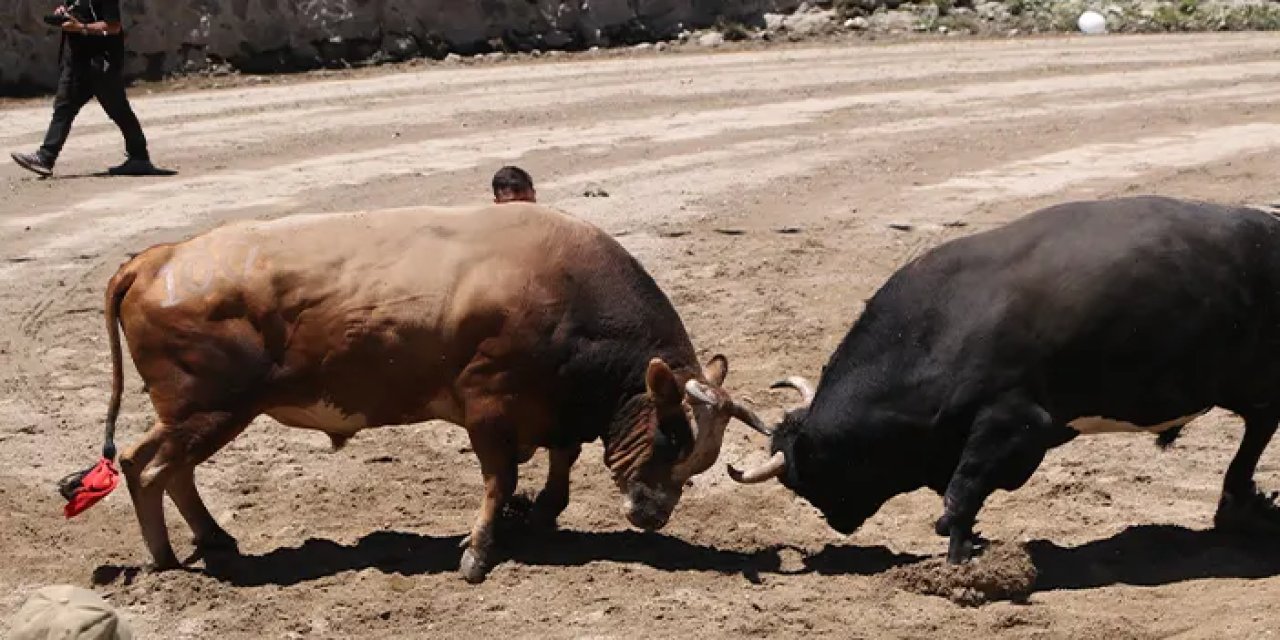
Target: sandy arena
770, 193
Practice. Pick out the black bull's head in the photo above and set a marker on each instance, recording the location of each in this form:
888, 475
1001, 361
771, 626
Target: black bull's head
846, 471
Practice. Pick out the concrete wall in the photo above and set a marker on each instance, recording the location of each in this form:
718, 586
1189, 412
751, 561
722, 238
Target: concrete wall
277, 35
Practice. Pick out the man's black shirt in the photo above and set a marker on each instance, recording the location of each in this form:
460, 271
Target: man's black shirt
89, 11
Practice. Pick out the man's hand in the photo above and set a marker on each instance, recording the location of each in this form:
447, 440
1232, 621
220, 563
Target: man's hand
56, 18
72, 26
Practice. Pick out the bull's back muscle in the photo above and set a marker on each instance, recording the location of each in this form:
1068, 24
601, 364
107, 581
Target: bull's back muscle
348, 320
1142, 310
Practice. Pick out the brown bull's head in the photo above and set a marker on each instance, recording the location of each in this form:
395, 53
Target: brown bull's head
669, 434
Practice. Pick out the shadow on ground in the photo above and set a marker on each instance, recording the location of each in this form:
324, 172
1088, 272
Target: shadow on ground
1151, 555
412, 554
1147, 555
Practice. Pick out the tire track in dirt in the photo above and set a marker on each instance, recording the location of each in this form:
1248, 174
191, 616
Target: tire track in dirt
778, 71
172, 203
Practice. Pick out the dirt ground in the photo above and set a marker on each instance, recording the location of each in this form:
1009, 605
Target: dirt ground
767, 191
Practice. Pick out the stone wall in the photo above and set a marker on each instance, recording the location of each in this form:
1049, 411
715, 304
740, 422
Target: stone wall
281, 35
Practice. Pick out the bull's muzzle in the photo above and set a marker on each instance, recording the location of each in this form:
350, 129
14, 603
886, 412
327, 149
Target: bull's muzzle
648, 508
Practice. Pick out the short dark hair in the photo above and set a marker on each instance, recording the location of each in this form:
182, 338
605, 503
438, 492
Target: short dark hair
513, 179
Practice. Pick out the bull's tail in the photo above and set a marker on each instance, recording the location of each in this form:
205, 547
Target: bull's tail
83, 489
116, 289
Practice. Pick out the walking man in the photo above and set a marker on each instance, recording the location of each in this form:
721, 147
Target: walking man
92, 67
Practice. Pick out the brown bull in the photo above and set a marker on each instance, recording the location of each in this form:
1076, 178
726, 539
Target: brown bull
525, 326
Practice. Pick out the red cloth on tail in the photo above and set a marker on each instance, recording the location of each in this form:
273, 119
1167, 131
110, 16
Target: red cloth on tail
94, 486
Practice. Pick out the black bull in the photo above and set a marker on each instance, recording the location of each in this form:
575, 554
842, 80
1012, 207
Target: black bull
975, 359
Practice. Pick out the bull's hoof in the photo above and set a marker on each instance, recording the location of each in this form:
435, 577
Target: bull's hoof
473, 568
546, 510
161, 566
965, 548
1256, 513
960, 551
543, 519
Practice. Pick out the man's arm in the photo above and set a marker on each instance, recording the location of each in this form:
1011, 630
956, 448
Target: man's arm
107, 25
99, 28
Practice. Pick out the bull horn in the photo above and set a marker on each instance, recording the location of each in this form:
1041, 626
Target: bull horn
698, 392
771, 469
749, 418
799, 384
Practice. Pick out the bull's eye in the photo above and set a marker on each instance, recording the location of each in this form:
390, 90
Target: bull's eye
673, 439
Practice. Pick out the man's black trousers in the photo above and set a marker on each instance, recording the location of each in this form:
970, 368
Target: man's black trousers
92, 70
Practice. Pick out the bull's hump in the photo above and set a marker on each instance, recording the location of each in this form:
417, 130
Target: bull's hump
473, 219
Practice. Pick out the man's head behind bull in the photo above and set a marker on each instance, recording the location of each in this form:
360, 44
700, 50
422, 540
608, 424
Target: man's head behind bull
513, 184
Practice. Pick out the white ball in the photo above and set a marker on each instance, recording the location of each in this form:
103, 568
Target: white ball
1092, 23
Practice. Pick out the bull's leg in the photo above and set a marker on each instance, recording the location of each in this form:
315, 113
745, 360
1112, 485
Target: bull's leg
1006, 443
498, 466
209, 535
164, 461
146, 474
194, 441
1242, 507
554, 496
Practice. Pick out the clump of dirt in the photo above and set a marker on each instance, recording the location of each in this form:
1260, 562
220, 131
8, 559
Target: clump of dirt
1002, 572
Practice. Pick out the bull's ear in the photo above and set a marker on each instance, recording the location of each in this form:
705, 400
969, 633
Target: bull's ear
662, 384
717, 369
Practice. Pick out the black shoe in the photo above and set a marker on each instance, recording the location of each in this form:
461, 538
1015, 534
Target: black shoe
34, 163
133, 167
